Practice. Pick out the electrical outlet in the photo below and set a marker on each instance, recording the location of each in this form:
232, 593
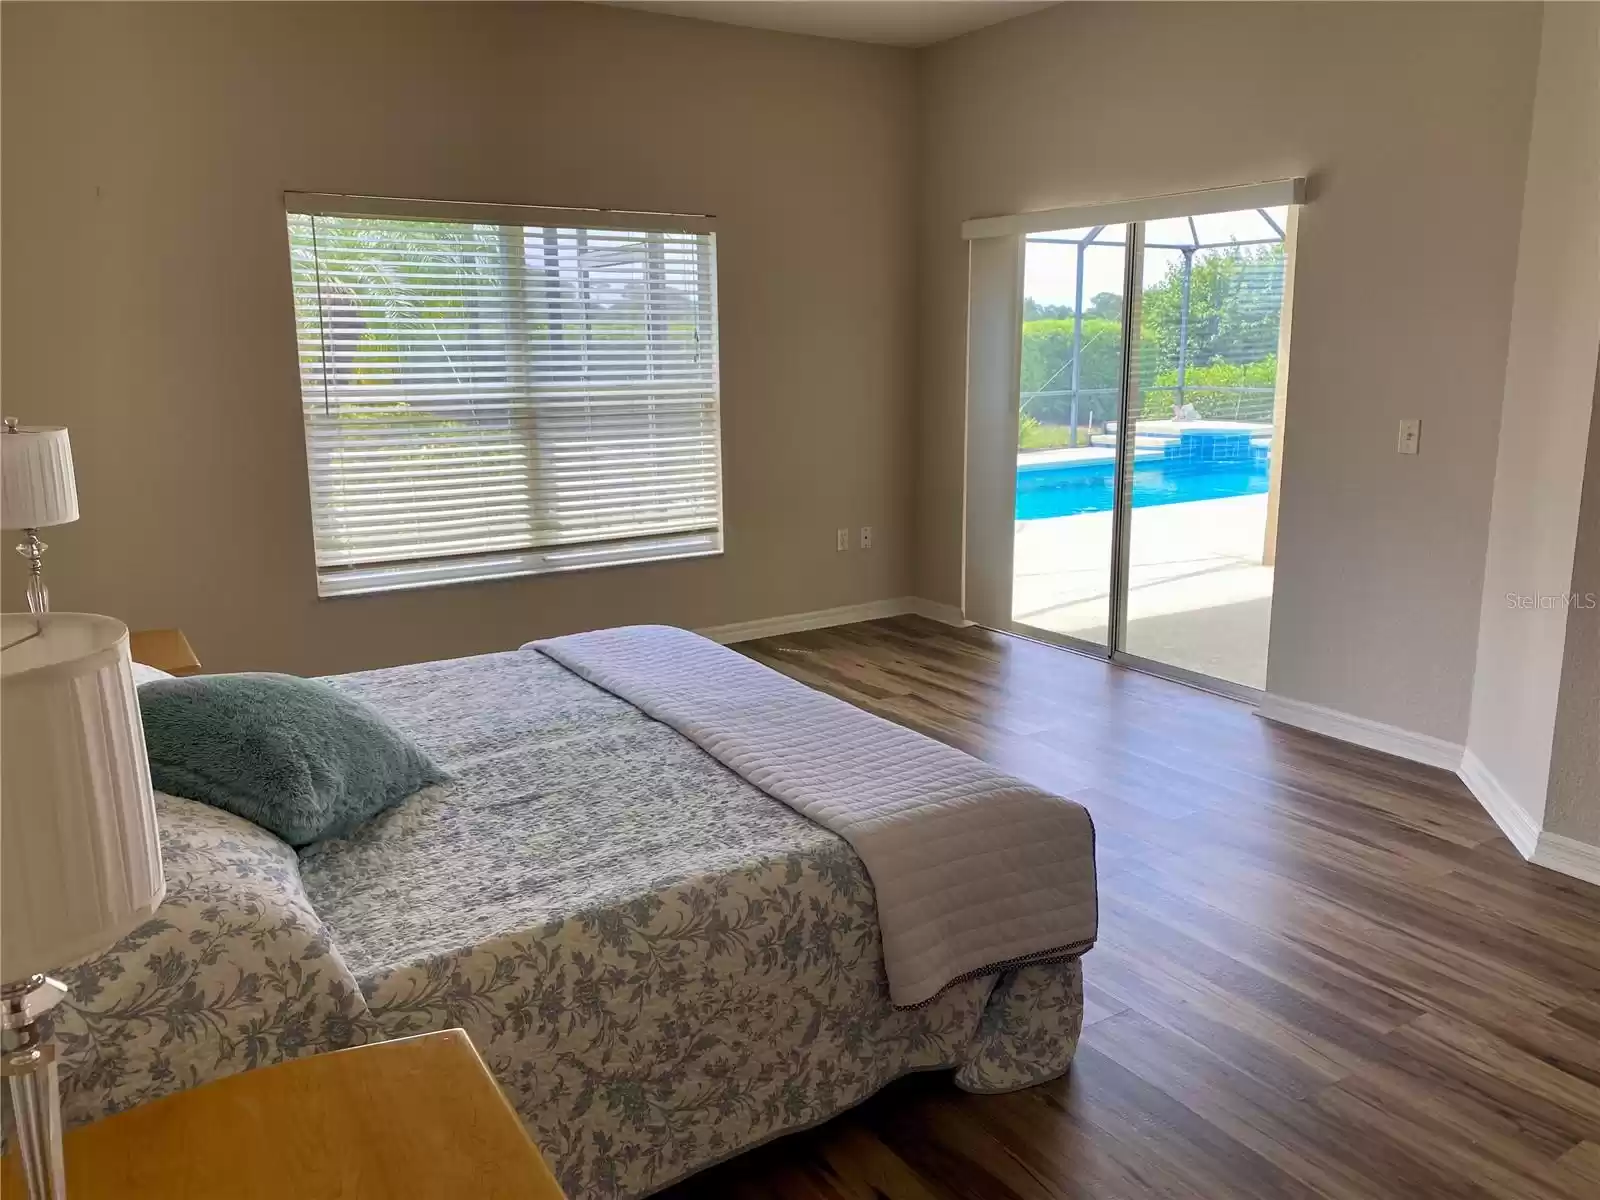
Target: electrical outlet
844, 539
866, 537
1410, 436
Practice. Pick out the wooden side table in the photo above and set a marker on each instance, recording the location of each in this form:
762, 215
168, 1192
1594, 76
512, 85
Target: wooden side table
165, 649
419, 1117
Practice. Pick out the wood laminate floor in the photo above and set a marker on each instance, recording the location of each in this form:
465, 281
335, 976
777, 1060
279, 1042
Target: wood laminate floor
1322, 972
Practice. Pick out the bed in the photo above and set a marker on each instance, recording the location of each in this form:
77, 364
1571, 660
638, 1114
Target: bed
662, 963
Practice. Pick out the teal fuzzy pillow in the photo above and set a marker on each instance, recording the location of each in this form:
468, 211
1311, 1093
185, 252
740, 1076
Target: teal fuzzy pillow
296, 756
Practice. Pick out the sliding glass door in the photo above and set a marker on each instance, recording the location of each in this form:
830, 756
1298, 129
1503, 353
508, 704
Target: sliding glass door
1150, 430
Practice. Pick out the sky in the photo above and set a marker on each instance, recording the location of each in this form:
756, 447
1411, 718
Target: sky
1050, 270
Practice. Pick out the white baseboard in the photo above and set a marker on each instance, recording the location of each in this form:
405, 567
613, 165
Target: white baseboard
1515, 821
1569, 856
1566, 855
1374, 735
822, 618
1539, 846
947, 614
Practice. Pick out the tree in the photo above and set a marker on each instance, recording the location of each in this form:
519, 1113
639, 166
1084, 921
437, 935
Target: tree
1235, 297
1106, 305
1032, 310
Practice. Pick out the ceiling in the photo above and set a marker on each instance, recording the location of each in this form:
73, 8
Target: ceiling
889, 22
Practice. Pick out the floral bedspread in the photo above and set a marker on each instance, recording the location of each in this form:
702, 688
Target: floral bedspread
660, 963
235, 970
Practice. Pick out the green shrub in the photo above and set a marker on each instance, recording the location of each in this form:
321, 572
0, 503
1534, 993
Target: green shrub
1212, 389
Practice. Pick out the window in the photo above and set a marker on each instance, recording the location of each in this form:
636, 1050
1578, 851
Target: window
486, 398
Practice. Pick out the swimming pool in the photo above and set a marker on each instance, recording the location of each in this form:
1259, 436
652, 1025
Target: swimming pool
1068, 489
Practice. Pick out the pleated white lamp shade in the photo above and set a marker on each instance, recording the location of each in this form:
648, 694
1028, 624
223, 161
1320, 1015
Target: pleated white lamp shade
80, 863
37, 487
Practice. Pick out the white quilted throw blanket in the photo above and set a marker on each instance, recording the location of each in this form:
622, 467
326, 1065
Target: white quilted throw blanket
973, 870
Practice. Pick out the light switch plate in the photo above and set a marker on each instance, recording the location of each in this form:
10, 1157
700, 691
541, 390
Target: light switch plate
1410, 436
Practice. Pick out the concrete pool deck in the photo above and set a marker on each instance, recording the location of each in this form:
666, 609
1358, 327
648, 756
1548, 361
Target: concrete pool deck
1199, 597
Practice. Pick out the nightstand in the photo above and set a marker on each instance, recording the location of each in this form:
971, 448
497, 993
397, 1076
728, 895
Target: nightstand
419, 1117
165, 649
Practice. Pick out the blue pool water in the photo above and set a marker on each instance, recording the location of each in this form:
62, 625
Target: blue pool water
1066, 490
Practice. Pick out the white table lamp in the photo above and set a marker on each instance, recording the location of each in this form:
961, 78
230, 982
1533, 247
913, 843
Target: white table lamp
80, 863
37, 489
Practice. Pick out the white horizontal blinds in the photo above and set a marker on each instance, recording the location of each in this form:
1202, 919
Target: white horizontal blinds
488, 399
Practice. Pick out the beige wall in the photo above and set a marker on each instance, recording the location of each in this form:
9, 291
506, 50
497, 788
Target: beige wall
1544, 426
147, 306
1412, 121
1574, 797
